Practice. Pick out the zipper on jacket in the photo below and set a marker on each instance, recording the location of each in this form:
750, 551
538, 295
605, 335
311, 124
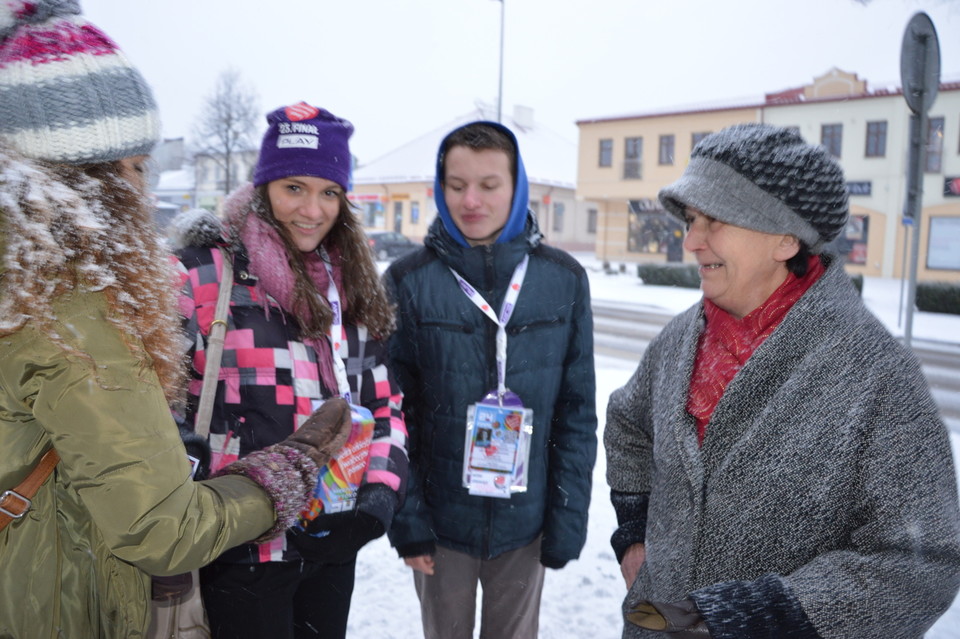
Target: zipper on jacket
488, 507
490, 335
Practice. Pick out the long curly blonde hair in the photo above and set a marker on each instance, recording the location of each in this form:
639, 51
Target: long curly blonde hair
86, 228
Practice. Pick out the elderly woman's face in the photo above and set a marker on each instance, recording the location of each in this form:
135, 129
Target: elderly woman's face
739, 268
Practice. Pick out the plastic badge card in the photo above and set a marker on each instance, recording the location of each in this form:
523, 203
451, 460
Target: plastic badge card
339, 480
497, 449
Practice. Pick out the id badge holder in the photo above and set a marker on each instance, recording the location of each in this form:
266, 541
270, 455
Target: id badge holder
497, 446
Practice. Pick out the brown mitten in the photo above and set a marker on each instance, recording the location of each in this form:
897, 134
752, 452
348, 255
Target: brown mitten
325, 431
680, 619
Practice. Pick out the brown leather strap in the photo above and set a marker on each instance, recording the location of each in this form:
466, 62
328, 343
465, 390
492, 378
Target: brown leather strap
15, 503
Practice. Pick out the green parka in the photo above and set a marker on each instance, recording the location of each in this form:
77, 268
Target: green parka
120, 505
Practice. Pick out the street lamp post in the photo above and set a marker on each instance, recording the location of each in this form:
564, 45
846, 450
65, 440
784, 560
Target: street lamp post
500, 88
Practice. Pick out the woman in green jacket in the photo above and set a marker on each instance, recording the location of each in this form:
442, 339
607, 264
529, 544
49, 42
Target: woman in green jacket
89, 355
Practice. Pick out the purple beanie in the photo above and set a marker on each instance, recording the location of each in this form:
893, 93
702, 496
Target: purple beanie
304, 140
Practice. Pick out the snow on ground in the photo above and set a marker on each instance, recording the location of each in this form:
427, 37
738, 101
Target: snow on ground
583, 599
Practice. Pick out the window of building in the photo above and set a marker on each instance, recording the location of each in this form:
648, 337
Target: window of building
398, 217
632, 160
666, 149
653, 230
933, 156
414, 212
852, 242
558, 217
372, 213
592, 221
606, 152
942, 243
876, 139
696, 137
831, 137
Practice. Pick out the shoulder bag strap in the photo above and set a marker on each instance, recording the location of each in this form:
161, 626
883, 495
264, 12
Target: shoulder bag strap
218, 329
15, 503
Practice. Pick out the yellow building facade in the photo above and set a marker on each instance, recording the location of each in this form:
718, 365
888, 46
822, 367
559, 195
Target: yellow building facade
623, 162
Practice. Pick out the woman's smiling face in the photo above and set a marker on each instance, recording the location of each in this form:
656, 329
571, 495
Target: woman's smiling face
307, 207
739, 268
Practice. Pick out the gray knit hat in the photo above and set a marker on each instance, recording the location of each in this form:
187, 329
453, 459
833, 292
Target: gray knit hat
767, 179
67, 92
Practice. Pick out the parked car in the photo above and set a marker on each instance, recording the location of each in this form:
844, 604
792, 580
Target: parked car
387, 245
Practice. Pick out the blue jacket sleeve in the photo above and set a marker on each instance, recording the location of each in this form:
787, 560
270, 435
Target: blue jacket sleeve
573, 441
412, 530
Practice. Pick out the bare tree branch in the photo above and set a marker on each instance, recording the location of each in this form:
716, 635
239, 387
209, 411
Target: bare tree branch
227, 123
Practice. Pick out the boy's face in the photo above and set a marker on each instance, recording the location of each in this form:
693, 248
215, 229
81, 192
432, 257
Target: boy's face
478, 190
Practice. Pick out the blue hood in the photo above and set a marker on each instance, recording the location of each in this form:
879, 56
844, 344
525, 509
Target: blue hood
521, 192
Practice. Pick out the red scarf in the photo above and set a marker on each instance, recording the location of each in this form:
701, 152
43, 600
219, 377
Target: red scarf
269, 263
727, 342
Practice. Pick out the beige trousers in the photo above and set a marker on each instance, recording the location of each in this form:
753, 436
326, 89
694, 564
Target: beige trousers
511, 587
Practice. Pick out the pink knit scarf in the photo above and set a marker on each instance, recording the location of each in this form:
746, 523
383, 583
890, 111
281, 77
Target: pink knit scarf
269, 263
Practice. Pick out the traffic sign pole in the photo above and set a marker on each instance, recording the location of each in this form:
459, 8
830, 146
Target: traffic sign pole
920, 76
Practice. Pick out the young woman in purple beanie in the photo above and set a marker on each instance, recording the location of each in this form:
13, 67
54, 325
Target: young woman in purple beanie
307, 319
96, 492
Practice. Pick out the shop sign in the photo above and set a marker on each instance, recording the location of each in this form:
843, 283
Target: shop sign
859, 188
951, 186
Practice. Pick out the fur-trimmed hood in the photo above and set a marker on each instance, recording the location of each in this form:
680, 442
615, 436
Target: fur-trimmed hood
200, 227
196, 227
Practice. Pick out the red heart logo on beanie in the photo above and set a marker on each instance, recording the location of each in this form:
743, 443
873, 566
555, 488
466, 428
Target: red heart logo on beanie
301, 111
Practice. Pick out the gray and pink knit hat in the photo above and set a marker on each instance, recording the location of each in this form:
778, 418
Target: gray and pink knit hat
67, 92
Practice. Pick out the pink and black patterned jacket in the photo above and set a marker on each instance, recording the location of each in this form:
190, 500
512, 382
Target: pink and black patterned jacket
268, 381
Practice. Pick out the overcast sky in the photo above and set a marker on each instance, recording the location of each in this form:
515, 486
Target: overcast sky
400, 68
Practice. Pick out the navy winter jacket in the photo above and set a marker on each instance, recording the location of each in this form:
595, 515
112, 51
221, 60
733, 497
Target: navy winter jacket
443, 355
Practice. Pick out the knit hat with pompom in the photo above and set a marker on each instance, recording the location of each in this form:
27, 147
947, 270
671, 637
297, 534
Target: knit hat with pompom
67, 93
767, 179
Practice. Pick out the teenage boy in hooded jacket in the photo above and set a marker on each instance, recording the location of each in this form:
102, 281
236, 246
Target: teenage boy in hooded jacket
444, 353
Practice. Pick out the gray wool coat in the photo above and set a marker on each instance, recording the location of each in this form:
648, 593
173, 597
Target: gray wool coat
823, 502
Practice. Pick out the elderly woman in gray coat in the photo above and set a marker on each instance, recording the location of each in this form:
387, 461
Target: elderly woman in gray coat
777, 464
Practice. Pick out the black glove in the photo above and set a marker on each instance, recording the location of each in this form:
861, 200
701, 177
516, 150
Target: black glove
346, 534
681, 619
199, 448
170, 587
552, 562
325, 431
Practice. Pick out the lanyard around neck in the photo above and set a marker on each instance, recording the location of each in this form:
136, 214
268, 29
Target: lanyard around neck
506, 312
336, 328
